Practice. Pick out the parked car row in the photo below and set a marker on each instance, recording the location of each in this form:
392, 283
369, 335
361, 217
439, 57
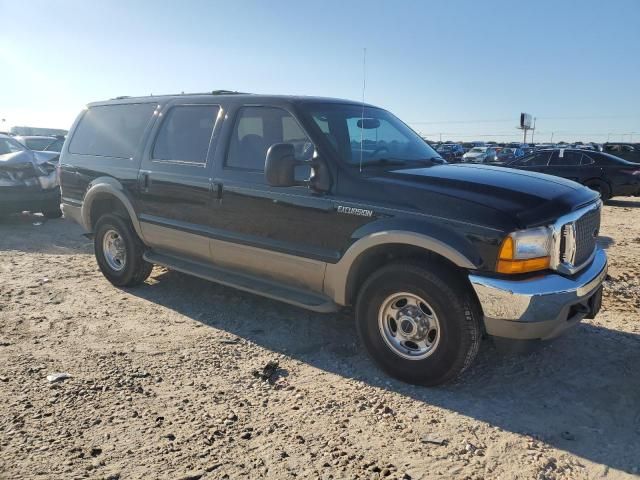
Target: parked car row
607, 174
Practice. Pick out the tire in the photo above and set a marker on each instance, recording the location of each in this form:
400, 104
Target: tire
122, 264
601, 187
446, 297
51, 214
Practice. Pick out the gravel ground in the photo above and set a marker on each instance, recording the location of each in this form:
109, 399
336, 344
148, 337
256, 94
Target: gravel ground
168, 381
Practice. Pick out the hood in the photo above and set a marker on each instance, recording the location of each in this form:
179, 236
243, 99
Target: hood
27, 156
475, 154
533, 198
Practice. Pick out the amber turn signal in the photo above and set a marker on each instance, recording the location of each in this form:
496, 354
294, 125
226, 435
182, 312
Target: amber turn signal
507, 264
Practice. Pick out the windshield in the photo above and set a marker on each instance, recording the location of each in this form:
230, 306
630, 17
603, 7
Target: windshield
9, 145
478, 150
507, 151
369, 134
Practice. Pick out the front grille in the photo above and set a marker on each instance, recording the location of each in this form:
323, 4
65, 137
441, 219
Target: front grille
587, 229
578, 239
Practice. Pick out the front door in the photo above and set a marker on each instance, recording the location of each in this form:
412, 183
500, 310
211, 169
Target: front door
286, 233
174, 185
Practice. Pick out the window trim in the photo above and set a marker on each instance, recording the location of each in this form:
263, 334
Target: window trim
164, 115
144, 131
236, 119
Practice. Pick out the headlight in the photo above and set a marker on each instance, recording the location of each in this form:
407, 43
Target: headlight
525, 251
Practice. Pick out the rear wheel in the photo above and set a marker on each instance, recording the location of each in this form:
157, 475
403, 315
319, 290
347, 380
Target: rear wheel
119, 252
419, 325
601, 187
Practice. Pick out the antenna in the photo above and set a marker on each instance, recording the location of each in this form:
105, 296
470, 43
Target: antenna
364, 85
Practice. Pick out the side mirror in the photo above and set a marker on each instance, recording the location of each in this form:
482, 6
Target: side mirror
280, 165
280, 169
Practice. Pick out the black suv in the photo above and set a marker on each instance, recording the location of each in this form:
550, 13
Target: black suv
325, 203
608, 175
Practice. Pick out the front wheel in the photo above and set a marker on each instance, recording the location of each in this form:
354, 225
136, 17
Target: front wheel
420, 325
119, 252
601, 187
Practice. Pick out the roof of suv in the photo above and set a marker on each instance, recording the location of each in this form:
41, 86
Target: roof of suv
224, 94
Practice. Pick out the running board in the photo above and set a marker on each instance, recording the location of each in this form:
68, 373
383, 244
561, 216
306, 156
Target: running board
248, 283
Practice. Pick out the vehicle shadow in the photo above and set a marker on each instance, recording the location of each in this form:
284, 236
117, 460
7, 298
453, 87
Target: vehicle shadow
623, 203
58, 236
605, 242
579, 393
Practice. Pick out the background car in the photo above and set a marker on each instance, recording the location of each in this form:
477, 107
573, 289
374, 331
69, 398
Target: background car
628, 151
28, 179
480, 155
508, 154
610, 176
451, 152
42, 143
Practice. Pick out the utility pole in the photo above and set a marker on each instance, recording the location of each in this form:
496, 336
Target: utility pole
552, 137
533, 130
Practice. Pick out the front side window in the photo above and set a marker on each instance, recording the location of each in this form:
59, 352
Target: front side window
185, 133
111, 130
256, 129
538, 159
368, 135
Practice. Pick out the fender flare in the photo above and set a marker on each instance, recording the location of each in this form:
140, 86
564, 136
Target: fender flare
111, 187
337, 275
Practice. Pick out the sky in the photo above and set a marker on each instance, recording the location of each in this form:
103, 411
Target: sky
461, 70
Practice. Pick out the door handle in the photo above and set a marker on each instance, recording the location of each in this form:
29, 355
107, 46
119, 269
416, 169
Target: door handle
216, 190
144, 181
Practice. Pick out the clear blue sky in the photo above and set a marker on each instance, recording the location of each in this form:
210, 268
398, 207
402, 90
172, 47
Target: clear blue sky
460, 67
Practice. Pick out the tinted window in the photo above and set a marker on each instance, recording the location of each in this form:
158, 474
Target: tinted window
256, 129
566, 158
586, 160
38, 143
536, 160
111, 130
185, 133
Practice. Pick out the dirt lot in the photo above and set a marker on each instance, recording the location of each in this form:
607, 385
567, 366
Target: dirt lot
163, 383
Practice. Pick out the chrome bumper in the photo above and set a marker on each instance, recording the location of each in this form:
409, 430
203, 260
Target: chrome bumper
541, 307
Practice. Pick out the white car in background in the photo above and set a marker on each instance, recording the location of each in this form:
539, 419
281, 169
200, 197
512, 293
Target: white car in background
480, 155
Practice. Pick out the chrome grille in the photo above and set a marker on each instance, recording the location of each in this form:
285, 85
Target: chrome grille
578, 240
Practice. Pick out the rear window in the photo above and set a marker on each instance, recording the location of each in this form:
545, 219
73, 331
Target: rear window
111, 130
38, 143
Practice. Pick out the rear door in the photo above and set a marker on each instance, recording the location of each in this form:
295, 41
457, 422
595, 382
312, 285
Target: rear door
174, 184
568, 164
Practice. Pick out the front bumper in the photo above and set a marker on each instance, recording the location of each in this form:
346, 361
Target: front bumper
15, 200
541, 307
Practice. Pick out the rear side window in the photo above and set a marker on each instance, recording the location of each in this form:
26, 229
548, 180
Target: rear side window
185, 133
566, 158
111, 130
256, 129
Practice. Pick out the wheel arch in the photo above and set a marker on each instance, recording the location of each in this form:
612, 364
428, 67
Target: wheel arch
106, 195
343, 279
